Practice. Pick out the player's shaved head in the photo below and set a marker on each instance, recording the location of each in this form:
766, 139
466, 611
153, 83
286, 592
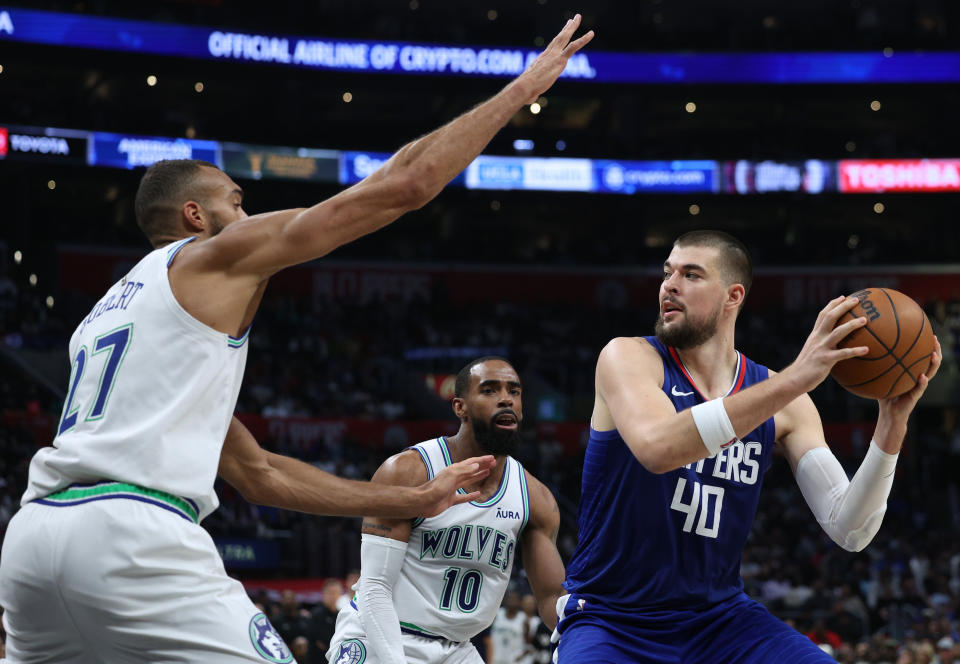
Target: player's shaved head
163, 189
735, 263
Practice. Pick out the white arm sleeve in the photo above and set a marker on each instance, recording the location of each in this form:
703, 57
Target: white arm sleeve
850, 511
380, 561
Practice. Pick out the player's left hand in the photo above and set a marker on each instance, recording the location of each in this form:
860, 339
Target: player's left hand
901, 406
441, 492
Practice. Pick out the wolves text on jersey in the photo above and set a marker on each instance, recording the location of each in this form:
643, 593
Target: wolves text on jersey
469, 542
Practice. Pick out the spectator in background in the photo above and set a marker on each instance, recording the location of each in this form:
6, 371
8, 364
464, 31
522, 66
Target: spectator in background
508, 633
300, 648
352, 577
821, 634
538, 634
324, 617
292, 621
947, 650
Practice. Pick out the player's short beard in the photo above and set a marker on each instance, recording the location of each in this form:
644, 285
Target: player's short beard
216, 223
494, 441
690, 333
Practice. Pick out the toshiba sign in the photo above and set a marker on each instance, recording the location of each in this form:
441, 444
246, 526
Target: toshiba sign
868, 175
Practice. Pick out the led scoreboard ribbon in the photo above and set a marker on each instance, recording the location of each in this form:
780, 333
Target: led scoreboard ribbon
147, 37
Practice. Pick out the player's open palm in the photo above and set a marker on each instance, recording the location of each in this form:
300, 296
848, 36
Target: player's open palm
441, 492
546, 69
820, 351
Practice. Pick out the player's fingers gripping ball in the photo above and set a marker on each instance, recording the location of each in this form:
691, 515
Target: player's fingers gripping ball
901, 344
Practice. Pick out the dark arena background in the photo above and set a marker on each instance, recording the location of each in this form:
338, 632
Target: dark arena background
824, 134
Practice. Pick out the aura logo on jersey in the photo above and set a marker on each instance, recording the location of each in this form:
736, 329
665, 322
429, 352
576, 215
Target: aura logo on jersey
351, 651
267, 642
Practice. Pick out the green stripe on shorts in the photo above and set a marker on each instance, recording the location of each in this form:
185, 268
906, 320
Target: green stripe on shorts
74, 494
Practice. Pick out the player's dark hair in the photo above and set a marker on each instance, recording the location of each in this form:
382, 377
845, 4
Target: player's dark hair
462, 383
163, 189
735, 261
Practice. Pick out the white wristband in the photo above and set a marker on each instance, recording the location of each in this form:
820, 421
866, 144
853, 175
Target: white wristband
714, 425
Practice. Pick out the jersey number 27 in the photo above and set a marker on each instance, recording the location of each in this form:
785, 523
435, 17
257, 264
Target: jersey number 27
112, 345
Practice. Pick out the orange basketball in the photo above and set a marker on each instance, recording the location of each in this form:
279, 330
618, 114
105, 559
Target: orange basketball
900, 340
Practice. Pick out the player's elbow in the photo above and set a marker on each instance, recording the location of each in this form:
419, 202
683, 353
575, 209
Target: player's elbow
651, 455
408, 191
852, 542
855, 540
257, 487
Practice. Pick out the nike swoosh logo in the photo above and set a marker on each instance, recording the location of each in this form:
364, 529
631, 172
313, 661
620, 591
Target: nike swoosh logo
674, 392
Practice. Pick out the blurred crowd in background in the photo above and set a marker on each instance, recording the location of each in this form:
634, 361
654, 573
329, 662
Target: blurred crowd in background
897, 601
383, 359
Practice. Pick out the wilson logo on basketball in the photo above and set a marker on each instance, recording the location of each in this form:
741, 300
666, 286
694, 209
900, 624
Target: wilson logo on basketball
900, 342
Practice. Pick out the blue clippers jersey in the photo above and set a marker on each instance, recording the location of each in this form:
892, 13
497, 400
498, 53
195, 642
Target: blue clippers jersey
672, 540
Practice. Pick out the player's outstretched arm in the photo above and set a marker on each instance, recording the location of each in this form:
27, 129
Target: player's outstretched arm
383, 549
262, 245
630, 376
541, 560
265, 478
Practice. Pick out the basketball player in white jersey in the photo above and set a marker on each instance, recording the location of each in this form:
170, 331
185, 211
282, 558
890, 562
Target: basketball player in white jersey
427, 586
106, 562
508, 633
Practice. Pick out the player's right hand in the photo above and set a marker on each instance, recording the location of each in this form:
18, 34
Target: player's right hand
441, 492
546, 69
820, 351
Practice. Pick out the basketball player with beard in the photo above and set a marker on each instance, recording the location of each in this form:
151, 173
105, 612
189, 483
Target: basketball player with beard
683, 429
427, 586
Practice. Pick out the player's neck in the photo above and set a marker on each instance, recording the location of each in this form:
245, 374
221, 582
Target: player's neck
712, 364
463, 446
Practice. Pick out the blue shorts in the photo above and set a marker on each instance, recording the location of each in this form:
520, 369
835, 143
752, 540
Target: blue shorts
736, 630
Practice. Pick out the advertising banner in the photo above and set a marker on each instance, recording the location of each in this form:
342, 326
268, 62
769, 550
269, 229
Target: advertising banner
135, 36
899, 175
131, 151
257, 162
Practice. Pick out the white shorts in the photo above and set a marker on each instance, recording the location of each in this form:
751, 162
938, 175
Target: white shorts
350, 645
123, 581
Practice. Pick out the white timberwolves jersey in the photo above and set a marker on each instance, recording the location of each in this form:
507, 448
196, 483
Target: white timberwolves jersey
458, 563
151, 394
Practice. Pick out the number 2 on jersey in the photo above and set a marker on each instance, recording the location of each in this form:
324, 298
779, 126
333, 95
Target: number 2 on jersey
114, 343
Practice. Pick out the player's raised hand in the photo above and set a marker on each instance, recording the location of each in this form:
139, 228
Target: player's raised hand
900, 407
820, 351
548, 66
441, 492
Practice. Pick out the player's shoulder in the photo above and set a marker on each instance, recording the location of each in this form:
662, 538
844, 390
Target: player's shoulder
538, 492
543, 504
630, 348
405, 468
629, 355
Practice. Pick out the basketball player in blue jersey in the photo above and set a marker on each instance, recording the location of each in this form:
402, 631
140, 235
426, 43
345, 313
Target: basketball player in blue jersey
428, 586
106, 560
683, 429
